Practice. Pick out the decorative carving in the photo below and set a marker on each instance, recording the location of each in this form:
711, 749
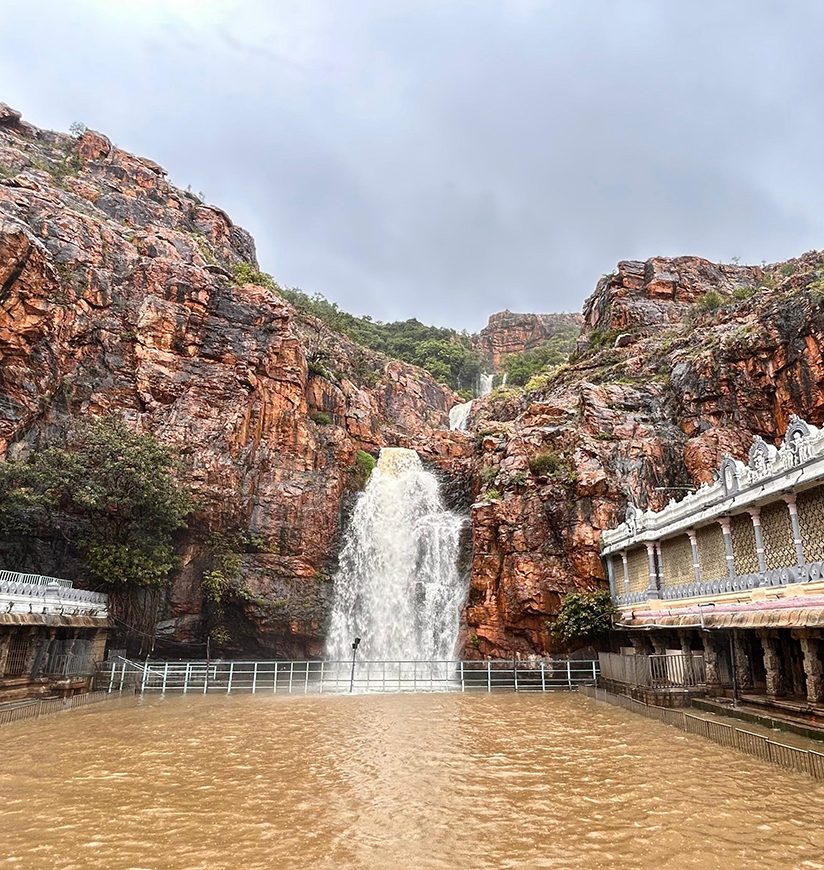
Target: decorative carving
761, 457
729, 474
802, 443
632, 519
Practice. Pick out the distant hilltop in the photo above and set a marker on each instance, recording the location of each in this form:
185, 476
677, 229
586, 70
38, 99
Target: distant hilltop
507, 333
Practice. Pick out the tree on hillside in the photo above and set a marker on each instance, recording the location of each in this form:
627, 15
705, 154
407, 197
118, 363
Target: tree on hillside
111, 494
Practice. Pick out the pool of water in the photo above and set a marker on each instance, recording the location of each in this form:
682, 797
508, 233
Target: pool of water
391, 781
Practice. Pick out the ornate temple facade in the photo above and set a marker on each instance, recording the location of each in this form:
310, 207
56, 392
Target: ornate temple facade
731, 577
51, 635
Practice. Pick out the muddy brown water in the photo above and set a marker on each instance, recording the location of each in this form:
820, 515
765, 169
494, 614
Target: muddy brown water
391, 781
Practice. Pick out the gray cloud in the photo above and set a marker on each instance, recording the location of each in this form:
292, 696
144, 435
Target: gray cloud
447, 160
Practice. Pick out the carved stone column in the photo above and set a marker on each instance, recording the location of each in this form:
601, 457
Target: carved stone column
796, 527
724, 522
772, 663
755, 514
743, 671
652, 589
685, 640
659, 564
659, 644
626, 571
5, 642
711, 663
640, 643
33, 651
696, 559
813, 671
611, 576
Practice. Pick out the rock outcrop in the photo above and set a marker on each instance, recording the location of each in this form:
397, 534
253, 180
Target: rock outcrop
507, 333
120, 293
680, 361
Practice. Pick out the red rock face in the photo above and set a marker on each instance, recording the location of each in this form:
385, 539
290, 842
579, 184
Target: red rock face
507, 333
118, 296
680, 361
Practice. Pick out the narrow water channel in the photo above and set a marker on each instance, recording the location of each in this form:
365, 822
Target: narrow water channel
392, 781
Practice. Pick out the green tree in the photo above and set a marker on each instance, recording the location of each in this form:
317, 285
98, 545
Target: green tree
110, 492
520, 367
446, 354
584, 616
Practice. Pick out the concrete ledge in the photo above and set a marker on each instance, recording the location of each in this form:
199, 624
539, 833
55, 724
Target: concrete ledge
767, 718
656, 697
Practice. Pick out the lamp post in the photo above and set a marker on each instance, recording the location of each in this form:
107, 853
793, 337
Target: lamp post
355, 645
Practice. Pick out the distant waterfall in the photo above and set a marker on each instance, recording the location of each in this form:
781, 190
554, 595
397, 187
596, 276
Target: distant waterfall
398, 587
486, 383
459, 416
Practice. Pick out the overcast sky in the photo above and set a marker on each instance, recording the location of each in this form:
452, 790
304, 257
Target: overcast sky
445, 160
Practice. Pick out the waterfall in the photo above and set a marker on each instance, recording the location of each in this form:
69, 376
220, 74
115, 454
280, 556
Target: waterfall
486, 383
398, 587
459, 416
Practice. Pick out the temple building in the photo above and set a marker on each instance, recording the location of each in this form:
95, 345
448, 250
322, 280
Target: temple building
51, 635
722, 593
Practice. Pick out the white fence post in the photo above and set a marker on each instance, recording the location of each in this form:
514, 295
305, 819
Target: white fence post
489, 676
463, 688
254, 678
543, 676
569, 674
231, 674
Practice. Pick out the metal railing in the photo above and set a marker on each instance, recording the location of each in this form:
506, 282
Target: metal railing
23, 593
791, 757
655, 671
33, 579
34, 709
318, 677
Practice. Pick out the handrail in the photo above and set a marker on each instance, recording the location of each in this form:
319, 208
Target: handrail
316, 676
33, 579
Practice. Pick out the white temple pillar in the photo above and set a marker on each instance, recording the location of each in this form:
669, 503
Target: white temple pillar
724, 522
696, 558
796, 526
755, 515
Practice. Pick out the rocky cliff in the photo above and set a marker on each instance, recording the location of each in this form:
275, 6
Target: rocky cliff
507, 333
120, 293
679, 362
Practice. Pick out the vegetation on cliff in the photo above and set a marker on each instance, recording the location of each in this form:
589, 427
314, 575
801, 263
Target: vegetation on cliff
583, 616
521, 367
445, 353
110, 494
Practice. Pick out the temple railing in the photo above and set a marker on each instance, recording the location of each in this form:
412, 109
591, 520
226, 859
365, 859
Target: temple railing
319, 677
671, 671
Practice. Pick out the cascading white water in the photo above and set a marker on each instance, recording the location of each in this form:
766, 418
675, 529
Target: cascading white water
398, 587
459, 416
486, 383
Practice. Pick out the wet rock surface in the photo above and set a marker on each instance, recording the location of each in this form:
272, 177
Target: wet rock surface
118, 294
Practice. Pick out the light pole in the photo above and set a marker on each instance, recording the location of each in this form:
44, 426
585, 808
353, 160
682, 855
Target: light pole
355, 645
